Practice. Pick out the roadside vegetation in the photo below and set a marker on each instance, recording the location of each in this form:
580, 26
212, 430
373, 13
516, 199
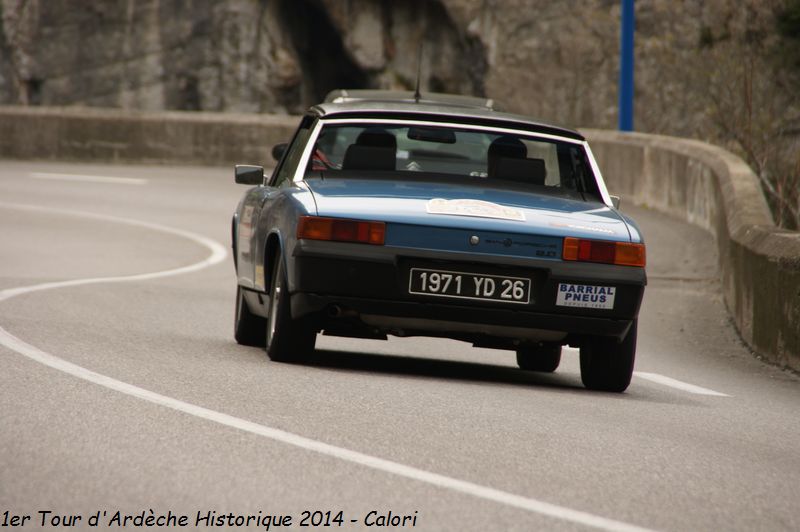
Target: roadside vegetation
752, 98
738, 80
723, 71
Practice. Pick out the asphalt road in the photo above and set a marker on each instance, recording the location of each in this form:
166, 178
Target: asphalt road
129, 393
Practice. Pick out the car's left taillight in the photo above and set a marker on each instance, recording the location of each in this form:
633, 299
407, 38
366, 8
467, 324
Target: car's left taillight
341, 230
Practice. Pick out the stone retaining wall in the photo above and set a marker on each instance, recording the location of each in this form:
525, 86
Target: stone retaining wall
91, 134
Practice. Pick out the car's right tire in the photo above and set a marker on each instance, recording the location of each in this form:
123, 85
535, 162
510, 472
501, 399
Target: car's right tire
607, 364
248, 329
287, 339
545, 357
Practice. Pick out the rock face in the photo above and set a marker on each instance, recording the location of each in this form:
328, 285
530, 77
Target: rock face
147, 54
554, 60
232, 55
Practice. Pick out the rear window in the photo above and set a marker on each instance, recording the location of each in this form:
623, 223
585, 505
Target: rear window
404, 151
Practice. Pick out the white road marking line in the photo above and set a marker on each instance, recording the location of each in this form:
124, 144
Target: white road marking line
680, 385
88, 178
218, 253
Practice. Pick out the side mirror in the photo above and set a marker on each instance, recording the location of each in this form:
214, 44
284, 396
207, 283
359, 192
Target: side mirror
615, 201
278, 150
245, 174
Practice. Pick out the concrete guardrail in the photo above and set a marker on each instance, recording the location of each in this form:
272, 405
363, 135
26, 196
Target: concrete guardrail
694, 181
92, 134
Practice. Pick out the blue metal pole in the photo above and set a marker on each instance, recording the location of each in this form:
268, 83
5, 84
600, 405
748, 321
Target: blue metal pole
628, 25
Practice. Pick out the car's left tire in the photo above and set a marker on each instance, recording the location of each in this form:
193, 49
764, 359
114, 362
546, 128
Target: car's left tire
248, 329
287, 339
606, 364
544, 358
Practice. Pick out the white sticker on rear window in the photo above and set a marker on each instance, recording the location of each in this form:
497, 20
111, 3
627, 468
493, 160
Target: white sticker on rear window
586, 296
470, 207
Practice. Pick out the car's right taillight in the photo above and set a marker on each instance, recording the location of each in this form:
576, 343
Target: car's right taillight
620, 253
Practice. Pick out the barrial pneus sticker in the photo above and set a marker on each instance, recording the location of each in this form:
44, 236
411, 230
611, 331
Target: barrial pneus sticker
585, 296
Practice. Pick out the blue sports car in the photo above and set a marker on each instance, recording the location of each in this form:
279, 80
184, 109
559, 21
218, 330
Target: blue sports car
438, 216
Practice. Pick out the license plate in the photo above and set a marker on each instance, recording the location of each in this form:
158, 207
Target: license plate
465, 285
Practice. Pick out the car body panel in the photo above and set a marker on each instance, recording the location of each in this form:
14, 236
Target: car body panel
407, 203
264, 213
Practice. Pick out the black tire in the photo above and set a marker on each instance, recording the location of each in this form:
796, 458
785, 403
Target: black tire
248, 329
287, 339
544, 358
607, 365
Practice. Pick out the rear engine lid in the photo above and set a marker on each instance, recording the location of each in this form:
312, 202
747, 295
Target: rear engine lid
497, 213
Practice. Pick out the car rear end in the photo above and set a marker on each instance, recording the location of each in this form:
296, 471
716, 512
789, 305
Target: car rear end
493, 288
497, 235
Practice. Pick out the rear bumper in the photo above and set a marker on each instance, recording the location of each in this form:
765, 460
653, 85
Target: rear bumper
414, 318
370, 284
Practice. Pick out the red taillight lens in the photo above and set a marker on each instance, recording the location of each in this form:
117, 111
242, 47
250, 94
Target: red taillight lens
339, 230
621, 253
592, 251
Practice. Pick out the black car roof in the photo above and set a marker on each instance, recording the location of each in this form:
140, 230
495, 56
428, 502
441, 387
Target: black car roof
458, 100
435, 107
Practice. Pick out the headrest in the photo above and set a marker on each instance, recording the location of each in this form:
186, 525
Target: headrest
507, 146
377, 137
359, 157
530, 171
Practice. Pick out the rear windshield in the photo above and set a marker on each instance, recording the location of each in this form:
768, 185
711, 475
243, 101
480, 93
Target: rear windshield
404, 151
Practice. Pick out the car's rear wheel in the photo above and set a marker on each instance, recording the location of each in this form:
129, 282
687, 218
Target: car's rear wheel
287, 339
544, 357
248, 329
607, 364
